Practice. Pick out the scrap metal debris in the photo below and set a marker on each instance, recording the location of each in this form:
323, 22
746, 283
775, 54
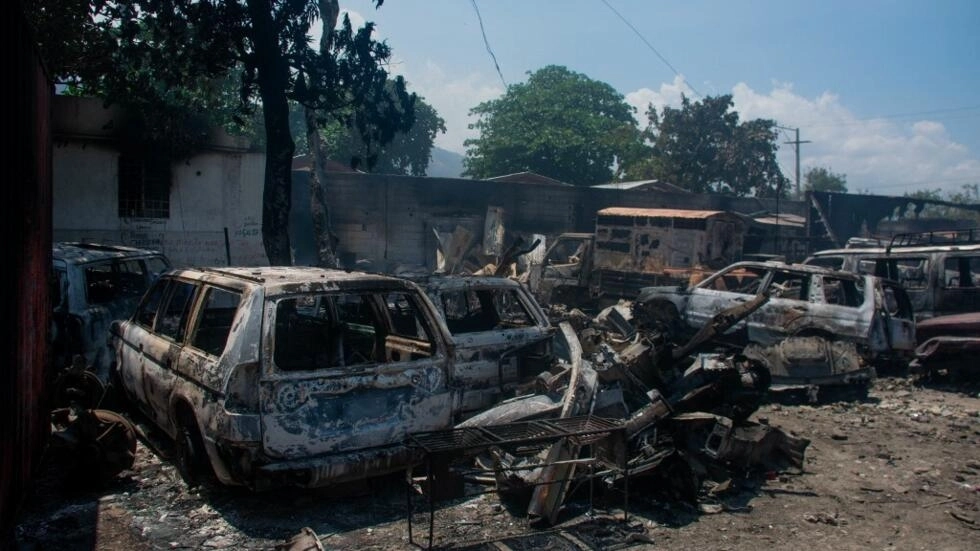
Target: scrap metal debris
684, 413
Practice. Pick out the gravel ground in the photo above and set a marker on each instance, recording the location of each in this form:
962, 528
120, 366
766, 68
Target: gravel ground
900, 470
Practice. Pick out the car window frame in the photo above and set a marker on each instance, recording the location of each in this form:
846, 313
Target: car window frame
197, 313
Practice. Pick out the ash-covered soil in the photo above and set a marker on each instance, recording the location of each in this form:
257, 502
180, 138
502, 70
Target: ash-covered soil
900, 470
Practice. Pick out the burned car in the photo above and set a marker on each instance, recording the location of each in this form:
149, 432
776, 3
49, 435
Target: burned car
94, 284
499, 334
271, 376
814, 318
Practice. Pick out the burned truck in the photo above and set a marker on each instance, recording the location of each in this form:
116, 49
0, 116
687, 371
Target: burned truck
634, 248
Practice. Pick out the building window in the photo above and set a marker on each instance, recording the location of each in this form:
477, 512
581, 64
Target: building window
144, 187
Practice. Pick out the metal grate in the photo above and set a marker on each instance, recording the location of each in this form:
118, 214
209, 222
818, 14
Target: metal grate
584, 430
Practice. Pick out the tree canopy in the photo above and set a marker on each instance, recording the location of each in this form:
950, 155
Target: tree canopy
822, 179
408, 153
167, 53
559, 123
702, 147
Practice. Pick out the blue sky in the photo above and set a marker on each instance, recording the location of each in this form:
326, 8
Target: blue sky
887, 91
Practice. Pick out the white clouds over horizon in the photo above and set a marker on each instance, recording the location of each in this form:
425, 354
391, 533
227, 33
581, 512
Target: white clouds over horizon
451, 96
879, 155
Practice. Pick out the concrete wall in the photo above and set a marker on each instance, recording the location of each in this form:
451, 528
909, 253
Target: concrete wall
388, 221
214, 192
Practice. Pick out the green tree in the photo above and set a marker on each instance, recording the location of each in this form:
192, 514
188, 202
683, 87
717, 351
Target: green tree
969, 194
822, 179
408, 153
166, 52
559, 123
703, 148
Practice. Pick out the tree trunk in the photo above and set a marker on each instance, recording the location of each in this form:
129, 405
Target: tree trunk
326, 241
273, 79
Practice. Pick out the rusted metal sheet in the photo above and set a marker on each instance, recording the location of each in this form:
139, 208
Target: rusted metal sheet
658, 213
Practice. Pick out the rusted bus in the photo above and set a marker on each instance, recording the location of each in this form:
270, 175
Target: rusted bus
653, 240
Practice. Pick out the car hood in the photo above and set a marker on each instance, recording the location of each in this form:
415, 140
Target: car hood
648, 293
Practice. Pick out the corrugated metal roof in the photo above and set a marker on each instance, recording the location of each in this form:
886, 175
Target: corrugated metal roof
652, 185
782, 220
659, 213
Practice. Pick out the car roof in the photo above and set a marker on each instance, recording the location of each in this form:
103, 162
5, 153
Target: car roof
898, 250
83, 253
802, 268
284, 280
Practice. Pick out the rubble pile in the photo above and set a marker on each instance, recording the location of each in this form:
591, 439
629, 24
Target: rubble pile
684, 414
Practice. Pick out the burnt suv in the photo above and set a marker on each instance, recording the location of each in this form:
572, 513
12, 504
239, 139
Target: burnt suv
305, 376
92, 285
804, 301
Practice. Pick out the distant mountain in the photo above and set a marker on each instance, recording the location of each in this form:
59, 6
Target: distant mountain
445, 164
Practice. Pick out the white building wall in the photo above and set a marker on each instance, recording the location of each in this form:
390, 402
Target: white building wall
85, 187
210, 193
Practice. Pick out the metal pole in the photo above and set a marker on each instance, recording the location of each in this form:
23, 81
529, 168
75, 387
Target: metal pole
797, 142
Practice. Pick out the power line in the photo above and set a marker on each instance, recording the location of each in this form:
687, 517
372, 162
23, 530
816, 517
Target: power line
647, 42
487, 43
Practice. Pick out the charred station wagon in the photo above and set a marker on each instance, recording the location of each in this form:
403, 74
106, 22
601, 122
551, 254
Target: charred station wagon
307, 376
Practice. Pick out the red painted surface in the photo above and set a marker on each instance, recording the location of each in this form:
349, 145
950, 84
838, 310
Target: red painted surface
25, 211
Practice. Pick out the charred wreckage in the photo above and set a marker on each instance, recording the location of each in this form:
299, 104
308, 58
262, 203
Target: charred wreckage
310, 377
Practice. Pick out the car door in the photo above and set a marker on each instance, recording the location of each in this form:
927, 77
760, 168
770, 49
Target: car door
341, 376
787, 310
899, 317
492, 329
131, 338
838, 305
729, 287
201, 358
160, 349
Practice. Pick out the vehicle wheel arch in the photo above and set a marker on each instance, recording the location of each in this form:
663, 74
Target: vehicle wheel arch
192, 459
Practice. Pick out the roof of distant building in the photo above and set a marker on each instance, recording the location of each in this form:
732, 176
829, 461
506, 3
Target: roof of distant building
643, 185
782, 219
659, 213
528, 178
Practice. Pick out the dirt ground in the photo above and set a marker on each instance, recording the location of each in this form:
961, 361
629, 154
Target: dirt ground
900, 470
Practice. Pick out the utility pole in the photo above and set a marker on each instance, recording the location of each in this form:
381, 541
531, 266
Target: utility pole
796, 143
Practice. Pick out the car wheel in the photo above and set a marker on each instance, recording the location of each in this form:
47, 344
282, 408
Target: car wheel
192, 460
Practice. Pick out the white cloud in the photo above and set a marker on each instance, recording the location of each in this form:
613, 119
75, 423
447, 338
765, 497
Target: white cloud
452, 97
886, 156
668, 94
356, 21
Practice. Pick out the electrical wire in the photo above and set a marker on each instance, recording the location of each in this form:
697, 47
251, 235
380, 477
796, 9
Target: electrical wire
649, 45
487, 43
